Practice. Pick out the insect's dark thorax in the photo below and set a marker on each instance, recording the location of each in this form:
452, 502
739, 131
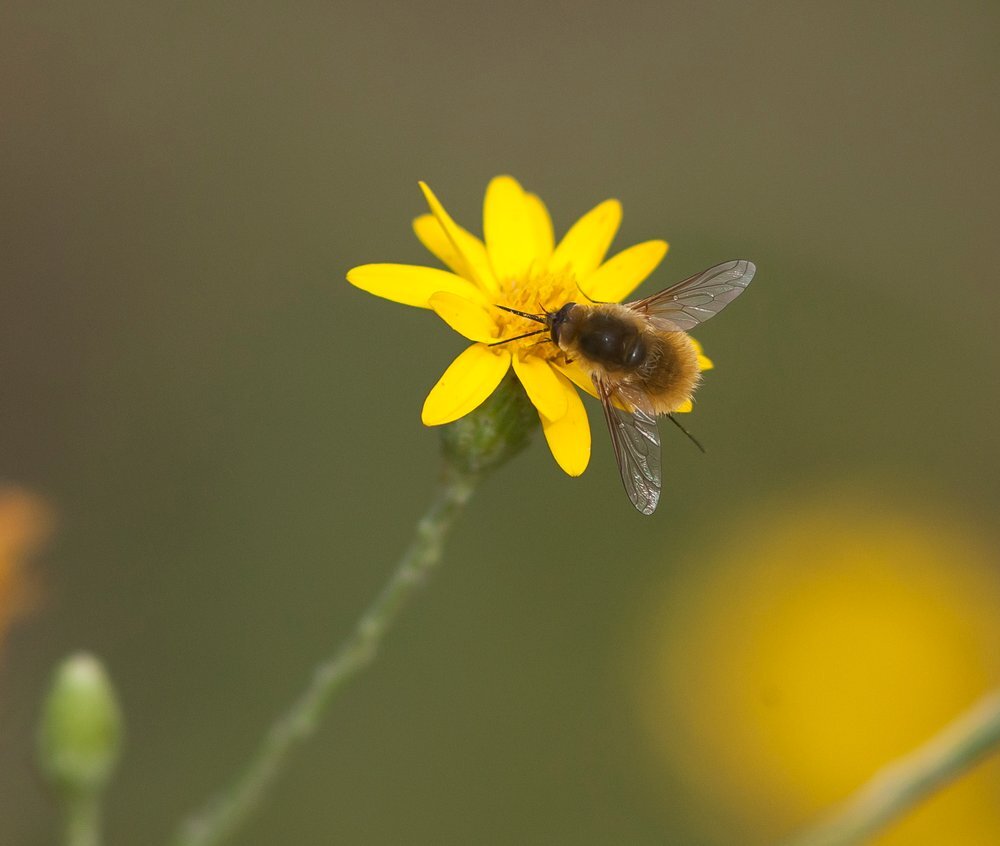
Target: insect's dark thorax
621, 346
616, 344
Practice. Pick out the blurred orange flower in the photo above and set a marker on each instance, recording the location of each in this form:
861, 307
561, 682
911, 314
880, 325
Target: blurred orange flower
25, 524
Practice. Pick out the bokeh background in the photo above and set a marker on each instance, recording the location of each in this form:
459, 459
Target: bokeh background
226, 436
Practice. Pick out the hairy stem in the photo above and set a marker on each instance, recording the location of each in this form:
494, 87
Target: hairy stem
904, 783
222, 817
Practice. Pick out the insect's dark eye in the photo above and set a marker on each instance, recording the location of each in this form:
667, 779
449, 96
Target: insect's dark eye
559, 321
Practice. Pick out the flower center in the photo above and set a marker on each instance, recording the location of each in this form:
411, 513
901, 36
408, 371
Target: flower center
537, 293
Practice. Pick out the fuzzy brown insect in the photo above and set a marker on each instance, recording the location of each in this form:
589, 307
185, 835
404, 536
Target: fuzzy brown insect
642, 362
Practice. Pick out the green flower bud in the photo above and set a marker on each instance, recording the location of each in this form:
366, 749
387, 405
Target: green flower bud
496, 431
81, 728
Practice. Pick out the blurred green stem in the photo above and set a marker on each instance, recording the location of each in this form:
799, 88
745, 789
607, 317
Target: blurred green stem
225, 815
83, 820
904, 783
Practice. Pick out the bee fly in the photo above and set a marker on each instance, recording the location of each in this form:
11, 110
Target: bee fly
642, 362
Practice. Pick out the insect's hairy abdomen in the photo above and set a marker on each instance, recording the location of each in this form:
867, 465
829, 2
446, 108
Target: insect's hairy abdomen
670, 373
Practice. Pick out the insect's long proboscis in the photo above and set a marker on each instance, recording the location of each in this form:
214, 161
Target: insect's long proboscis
536, 317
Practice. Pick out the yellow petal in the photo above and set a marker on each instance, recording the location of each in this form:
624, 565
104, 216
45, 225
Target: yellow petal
704, 362
541, 223
619, 276
509, 228
583, 248
409, 284
544, 388
433, 237
467, 317
467, 382
684, 407
569, 436
467, 245
579, 377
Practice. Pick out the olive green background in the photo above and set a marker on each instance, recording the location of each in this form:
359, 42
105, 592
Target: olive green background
230, 433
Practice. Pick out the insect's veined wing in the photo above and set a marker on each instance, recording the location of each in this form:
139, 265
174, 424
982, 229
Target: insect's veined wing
686, 304
636, 443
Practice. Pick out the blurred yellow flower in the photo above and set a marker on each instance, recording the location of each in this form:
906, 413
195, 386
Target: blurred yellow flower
824, 640
520, 266
25, 523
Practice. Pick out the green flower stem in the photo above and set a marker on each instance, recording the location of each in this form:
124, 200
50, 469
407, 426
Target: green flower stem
904, 783
226, 814
83, 820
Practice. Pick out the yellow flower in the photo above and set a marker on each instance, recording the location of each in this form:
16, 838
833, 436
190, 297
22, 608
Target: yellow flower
822, 638
520, 266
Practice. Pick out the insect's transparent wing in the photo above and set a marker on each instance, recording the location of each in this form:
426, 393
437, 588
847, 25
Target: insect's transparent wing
686, 304
636, 443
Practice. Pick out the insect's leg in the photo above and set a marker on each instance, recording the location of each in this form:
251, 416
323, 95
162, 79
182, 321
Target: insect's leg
595, 302
518, 338
680, 426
